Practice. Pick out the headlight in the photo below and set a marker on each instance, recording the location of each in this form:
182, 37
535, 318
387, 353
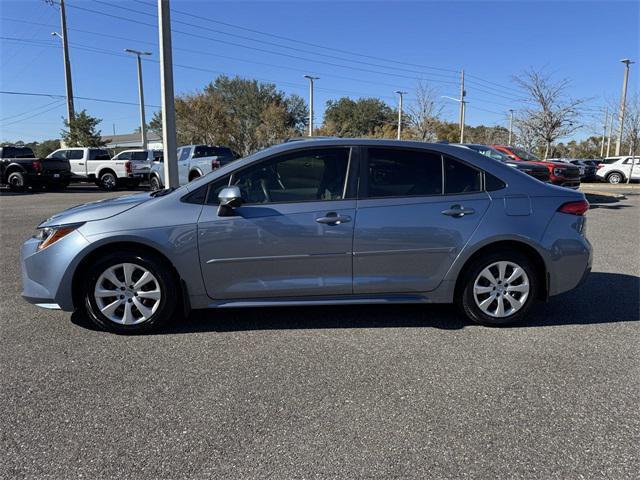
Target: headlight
558, 172
50, 235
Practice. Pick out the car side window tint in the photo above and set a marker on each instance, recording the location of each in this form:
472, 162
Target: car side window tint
460, 177
492, 183
308, 175
393, 172
74, 154
184, 154
215, 188
60, 154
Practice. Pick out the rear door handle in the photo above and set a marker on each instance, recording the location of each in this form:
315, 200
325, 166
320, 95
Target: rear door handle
458, 211
81, 163
332, 218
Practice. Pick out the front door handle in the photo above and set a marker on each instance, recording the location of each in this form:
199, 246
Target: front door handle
81, 163
332, 218
458, 211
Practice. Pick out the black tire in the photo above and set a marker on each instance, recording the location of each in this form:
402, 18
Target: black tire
154, 184
16, 181
108, 181
158, 267
465, 298
615, 178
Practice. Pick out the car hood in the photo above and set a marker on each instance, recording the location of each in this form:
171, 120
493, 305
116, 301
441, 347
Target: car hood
98, 210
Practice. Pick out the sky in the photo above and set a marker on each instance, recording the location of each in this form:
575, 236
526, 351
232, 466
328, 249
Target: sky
358, 49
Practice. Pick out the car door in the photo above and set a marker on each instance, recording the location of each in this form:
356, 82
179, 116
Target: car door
77, 162
415, 212
183, 156
293, 235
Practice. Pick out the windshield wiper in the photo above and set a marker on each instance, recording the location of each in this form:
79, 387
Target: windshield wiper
163, 192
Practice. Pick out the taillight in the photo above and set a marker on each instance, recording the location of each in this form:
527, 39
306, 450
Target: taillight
36, 165
574, 208
599, 166
215, 164
127, 167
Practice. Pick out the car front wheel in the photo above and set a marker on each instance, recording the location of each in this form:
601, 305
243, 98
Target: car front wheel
129, 292
499, 288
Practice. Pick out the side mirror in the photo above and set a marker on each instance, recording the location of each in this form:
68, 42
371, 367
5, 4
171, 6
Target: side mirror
229, 198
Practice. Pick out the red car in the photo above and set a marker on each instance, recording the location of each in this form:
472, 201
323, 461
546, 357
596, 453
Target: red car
563, 174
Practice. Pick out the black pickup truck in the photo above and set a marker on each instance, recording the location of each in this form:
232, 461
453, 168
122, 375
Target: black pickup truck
19, 168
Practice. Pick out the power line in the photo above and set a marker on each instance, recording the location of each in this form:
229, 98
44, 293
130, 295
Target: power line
263, 42
91, 99
31, 110
271, 52
60, 104
304, 42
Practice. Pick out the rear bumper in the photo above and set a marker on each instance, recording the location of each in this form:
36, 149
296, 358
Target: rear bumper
48, 178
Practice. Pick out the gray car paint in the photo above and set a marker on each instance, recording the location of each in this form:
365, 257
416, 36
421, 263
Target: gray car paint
393, 250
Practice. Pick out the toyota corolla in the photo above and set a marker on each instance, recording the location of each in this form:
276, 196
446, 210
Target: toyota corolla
321, 222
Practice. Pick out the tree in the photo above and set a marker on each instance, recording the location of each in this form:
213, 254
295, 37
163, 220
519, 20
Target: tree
552, 115
82, 131
365, 117
632, 124
425, 113
244, 114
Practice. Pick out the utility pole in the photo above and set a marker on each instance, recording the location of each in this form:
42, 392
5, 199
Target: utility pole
462, 106
510, 125
401, 94
166, 84
67, 64
143, 123
623, 103
610, 133
604, 131
311, 80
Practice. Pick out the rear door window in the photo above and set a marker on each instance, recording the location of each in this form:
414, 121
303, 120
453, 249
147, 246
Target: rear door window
75, 154
99, 154
138, 155
394, 172
460, 177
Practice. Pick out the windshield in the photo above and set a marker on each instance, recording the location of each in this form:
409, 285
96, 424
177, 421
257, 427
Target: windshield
524, 155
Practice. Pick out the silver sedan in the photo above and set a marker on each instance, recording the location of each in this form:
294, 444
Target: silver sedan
321, 222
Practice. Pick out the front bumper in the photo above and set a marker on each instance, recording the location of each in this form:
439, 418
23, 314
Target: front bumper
47, 274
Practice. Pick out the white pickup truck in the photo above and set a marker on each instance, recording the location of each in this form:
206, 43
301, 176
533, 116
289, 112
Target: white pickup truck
96, 165
193, 161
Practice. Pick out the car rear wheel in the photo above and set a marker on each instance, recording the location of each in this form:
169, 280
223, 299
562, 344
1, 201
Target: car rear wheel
499, 288
129, 292
615, 178
16, 181
154, 184
108, 181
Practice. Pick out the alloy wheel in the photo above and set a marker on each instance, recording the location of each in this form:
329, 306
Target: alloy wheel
127, 294
501, 289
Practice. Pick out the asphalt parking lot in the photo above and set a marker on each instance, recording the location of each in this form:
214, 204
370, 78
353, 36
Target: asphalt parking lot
344, 392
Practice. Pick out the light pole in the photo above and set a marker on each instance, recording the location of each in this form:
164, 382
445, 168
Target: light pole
166, 86
401, 94
510, 125
463, 94
604, 131
143, 123
311, 80
610, 133
623, 102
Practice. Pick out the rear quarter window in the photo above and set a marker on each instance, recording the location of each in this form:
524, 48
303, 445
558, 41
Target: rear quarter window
460, 177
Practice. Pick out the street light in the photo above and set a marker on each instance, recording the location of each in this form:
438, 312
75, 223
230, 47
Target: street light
401, 94
143, 124
623, 101
311, 80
